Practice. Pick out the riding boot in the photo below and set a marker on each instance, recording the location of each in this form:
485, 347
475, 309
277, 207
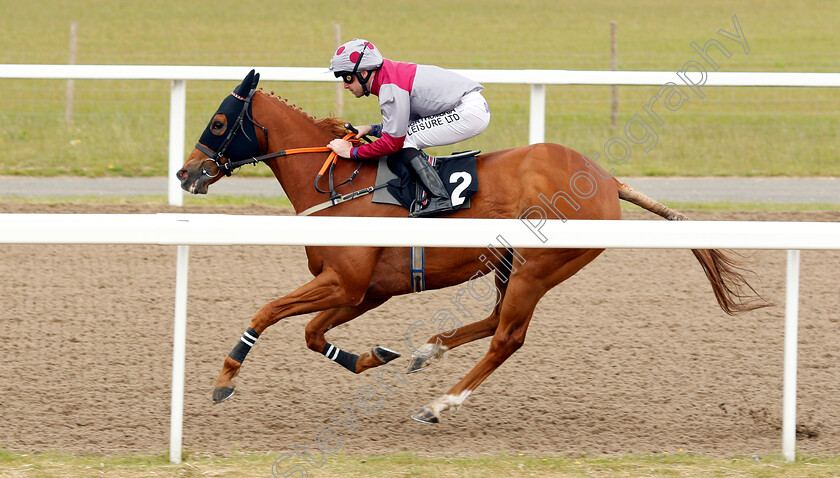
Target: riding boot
440, 201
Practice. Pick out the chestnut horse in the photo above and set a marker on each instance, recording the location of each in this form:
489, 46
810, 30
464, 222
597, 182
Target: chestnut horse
252, 126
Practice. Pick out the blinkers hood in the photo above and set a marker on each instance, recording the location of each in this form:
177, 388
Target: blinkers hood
239, 139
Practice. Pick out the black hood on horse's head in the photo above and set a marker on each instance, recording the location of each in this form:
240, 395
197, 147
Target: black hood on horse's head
248, 84
244, 144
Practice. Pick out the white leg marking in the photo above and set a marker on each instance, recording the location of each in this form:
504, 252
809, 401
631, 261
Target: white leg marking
426, 350
449, 401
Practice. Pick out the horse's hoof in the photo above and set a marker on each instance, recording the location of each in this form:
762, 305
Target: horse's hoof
424, 415
220, 394
385, 355
417, 364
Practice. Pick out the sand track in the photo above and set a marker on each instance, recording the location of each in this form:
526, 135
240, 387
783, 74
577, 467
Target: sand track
632, 355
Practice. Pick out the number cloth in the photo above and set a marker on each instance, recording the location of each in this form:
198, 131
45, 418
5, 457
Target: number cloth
459, 176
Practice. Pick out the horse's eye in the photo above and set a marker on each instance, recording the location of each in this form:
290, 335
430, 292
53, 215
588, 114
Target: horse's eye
218, 124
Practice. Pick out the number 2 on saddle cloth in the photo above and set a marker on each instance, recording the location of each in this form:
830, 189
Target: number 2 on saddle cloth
458, 172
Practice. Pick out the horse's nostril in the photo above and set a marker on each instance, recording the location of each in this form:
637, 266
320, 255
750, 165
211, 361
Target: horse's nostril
182, 174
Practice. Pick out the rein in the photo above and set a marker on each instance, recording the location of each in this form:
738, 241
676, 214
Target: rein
335, 198
328, 164
331, 159
231, 166
228, 168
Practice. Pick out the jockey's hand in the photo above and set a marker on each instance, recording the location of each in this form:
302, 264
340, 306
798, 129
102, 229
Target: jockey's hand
341, 147
363, 130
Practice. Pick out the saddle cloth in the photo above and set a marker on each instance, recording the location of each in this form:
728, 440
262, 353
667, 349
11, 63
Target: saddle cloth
458, 172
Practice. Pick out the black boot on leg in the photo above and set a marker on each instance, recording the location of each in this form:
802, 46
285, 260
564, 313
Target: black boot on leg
439, 202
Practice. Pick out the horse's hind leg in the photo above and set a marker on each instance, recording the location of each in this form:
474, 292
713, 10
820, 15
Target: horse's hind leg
508, 337
525, 289
328, 319
440, 343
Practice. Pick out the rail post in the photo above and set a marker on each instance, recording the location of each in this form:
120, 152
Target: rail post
179, 344
536, 129
177, 131
791, 345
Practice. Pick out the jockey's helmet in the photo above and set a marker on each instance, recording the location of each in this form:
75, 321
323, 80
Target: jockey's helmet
356, 55
353, 57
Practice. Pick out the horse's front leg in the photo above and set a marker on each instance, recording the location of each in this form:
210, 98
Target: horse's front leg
326, 291
326, 320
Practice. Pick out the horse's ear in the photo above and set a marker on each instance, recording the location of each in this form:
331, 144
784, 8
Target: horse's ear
245, 87
256, 80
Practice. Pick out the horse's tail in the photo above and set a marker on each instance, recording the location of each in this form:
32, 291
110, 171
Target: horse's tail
732, 291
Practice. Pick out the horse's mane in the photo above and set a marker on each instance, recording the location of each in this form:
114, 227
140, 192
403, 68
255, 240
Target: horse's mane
333, 125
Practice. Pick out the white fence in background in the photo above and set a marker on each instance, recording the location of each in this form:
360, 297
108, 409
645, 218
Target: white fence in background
537, 79
211, 229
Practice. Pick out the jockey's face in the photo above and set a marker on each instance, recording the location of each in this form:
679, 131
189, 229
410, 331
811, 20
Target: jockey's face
355, 87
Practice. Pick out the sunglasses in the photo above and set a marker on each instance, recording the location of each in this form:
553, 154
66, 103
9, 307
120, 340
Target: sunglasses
346, 77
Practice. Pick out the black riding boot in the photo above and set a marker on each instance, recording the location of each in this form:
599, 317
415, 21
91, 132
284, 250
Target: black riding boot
439, 202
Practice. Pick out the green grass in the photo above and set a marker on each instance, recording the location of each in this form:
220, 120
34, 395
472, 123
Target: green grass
121, 127
674, 464
665, 464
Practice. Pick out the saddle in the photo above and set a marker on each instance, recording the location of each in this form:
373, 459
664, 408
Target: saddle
457, 171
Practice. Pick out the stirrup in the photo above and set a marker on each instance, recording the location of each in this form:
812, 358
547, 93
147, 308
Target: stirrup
437, 205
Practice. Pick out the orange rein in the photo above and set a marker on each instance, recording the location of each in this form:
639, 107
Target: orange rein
331, 159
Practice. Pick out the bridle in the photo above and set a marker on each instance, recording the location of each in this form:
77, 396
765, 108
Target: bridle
231, 166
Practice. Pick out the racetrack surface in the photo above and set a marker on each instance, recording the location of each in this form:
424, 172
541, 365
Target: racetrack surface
631, 355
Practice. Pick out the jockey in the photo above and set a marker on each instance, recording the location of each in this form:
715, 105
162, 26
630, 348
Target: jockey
422, 106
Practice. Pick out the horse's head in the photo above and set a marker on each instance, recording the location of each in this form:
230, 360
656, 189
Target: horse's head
230, 136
